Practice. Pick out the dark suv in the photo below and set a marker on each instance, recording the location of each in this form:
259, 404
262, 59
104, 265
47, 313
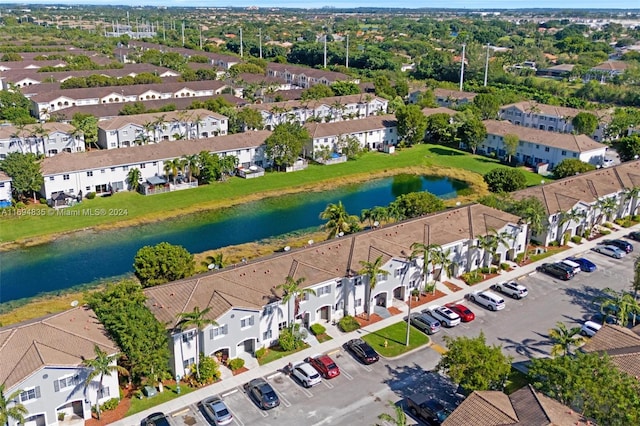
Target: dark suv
428, 409
623, 245
556, 270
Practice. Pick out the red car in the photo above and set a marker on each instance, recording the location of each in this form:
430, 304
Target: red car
325, 366
465, 313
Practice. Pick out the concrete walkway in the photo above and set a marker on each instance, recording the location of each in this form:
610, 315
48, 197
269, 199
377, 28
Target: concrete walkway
340, 338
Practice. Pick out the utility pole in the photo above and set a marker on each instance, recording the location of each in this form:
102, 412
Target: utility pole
486, 66
260, 36
325, 51
346, 64
182, 33
128, 21
241, 50
164, 31
462, 66
200, 28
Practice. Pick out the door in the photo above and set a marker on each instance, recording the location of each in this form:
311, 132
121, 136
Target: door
324, 313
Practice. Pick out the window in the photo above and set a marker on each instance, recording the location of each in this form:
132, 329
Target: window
546, 149
339, 306
188, 336
246, 322
113, 169
575, 155
66, 382
217, 332
357, 281
65, 177
103, 171
268, 310
188, 362
282, 325
358, 303
125, 168
564, 153
52, 178
87, 188
29, 394
382, 277
324, 290
90, 173
155, 163
537, 146
267, 335
104, 392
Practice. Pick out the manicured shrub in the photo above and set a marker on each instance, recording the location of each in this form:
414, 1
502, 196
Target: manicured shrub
43, 201
209, 370
91, 195
504, 266
348, 324
111, 404
605, 232
236, 364
317, 329
290, 338
608, 225
471, 278
260, 353
577, 239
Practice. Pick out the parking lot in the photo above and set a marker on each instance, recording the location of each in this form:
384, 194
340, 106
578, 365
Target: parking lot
362, 392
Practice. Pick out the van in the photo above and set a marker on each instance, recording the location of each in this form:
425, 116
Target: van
575, 267
589, 328
488, 299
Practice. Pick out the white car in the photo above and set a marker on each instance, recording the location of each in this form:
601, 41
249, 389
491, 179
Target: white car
306, 374
513, 289
590, 328
488, 299
445, 315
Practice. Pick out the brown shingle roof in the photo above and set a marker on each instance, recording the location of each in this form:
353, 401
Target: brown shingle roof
486, 408
603, 115
310, 72
611, 337
568, 141
19, 74
440, 110
91, 160
611, 66
321, 130
290, 105
454, 94
6, 132
60, 340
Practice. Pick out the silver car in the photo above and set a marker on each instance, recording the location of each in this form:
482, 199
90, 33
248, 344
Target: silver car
216, 411
610, 251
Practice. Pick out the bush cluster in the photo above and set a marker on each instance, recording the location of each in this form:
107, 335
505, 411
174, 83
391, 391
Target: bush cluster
236, 364
348, 324
317, 329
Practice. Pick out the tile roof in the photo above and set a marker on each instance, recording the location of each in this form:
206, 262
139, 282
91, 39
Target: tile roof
142, 119
612, 337
568, 141
453, 94
603, 115
486, 408
295, 104
321, 130
63, 339
310, 72
91, 160
7, 132
440, 110
19, 74
251, 286
611, 66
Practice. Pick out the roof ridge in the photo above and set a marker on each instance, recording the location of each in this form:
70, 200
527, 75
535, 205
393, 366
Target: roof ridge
35, 345
516, 419
535, 395
74, 334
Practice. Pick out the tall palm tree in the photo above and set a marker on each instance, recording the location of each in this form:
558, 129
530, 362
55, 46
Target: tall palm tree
338, 220
133, 178
607, 206
398, 419
499, 239
217, 260
635, 284
620, 304
563, 339
372, 270
427, 252
534, 216
192, 164
292, 293
486, 244
196, 318
102, 365
442, 258
15, 412
573, 215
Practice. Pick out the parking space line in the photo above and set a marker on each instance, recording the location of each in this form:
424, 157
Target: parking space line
199, 413
271, 376
304, 390
327, 384
181, 412
263, 413
231, 392
282, 398
366, 367
346, 375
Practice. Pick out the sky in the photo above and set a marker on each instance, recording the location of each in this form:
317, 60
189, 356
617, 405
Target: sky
457, 4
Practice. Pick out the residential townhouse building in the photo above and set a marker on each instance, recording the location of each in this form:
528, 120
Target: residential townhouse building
539, 147
303, 77
606, 71
32, 65
45, 139
46, 103
576, 204
5, 190
378, 132
44, 360
106, 171
332, 109
216, 59
451, 98
551, 118
141, 129
246, 303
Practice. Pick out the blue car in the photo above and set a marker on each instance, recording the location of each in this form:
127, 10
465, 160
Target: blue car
585, 264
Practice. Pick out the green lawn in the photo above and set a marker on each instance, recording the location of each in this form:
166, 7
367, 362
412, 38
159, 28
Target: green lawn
277, 353
138, 405
395, 335
129, 207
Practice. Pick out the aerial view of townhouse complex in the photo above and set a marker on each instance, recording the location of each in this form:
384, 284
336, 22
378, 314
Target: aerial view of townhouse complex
261, 216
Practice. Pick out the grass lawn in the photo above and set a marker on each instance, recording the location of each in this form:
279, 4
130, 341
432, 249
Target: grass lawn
395, 336
131, 209
138, 405
276, 353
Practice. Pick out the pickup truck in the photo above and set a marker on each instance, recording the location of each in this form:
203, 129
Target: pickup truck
426, 408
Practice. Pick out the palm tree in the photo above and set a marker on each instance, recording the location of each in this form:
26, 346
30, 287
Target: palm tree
573, 215
607, 206
535, 220
563, 339
400, 418
196, 318
427, 252
372, 270
486, 243
16, 412
192, 163
102, 365
442, 258
228, 164
499, 239
133, 178
620, 304
635, 284
217, 260
366, 215
148, 129
293, 292
338, 220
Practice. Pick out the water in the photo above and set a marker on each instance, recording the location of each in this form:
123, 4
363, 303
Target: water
87, 257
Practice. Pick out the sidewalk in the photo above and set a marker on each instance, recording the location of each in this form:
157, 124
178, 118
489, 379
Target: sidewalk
340, 338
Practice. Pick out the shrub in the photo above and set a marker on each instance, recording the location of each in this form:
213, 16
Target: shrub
236, 364
43, 201
260, 353
111, 404
20, 205
624, 222
290, 338
554, 244
472, 277
577, 239
636, 217
91, 195
504, 266
348, 324
605, 232
504, 179
608, 225
318, 329
209, 370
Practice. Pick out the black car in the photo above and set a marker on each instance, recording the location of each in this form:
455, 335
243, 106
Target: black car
155, 419
635, 235
625, 246
362, 351
262, 394
556, 270
428, 409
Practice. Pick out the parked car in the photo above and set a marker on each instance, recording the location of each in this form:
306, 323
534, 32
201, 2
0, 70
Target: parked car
445, 315
216, 411
425, 323
262, 394
585, 264
601, 318
589, 328
426, 408
488, 299
325, 366
466, 315
635, 235
556, 271
611, 251
155, 419
575, 267
306, 374
362, 351
512, 288
623, 245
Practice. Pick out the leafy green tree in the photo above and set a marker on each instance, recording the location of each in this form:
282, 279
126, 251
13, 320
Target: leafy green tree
316, 92
25, 174
584, 123
162, 263
571, 167
210, 167
250, 119
349, 146
383, 87
510, 142
564, 339
620, 304
629, 147
209, 369
416, 204
133, 178
133, 108
86, 125
372, 270
398, 419
14, 107
412, 124
590, 384
292, 292
460, 363
285, 144
16, 412
471, 130
344, 88
488, 105
198, 319
440, 130
505, 179
102, 365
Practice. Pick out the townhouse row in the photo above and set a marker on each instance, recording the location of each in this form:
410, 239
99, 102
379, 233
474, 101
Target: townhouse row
45, 139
